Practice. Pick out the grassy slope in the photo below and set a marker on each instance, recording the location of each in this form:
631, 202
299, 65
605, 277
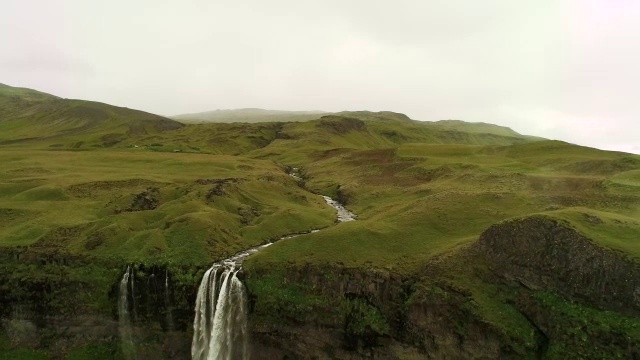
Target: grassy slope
608, 229
418, 200
74, 203
420, 189
28, 116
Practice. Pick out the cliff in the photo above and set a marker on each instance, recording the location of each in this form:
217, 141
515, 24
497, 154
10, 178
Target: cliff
528, 288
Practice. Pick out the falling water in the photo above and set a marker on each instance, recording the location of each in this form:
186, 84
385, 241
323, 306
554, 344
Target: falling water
167, 302
124, 318
133, 296
220, 324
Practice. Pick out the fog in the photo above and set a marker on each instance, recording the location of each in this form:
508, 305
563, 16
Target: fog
558, 69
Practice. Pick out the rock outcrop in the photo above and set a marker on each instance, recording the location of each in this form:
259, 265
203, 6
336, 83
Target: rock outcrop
543, 253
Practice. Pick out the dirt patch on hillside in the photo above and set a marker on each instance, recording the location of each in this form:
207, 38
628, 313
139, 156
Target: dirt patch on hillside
93, 188
146, 200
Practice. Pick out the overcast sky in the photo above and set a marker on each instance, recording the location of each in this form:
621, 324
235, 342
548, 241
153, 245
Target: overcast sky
566, 70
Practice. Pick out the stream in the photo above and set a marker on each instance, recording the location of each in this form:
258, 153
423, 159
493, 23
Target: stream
220, 329
220, 323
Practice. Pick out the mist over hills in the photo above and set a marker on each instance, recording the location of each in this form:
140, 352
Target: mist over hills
250, 115
28, 115
255, 115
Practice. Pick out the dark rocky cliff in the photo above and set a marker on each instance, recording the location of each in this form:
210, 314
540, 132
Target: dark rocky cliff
60, 303
555, 294
528, 288
337, 313
544, 253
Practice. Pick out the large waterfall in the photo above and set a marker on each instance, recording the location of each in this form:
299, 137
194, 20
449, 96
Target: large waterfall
220, 323
124, 316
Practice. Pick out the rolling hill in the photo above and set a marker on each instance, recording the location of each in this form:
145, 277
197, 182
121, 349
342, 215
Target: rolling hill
30, 116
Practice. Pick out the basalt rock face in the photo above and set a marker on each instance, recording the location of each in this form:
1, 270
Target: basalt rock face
443, 326
45, 303
571, 296
362, 314
58, 302
542, 253
159, 310
582, 299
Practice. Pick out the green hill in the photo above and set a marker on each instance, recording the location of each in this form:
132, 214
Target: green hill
30, 116
479, 128
347, 130
250, 115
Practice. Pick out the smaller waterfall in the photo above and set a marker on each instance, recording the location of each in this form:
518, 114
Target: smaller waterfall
295, 174
167, 302
133, 295
124, 316
220, 324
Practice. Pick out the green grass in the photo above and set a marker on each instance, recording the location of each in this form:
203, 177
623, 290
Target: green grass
43, 120
75, 203
613, 231
420, 200
95, 352
8, 352
587, 332
280, 300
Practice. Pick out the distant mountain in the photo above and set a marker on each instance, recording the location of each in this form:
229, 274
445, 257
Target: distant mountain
28, 115
474, 127
371, 115
249, 115
443, 131
345, 130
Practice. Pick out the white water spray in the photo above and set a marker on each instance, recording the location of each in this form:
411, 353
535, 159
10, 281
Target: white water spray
220, 324
124, 317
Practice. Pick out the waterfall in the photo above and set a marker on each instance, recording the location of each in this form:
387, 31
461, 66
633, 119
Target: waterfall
124, 318
133, 294
167, 302
220, 324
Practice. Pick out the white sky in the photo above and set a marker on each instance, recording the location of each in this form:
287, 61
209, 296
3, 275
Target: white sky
562, 69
